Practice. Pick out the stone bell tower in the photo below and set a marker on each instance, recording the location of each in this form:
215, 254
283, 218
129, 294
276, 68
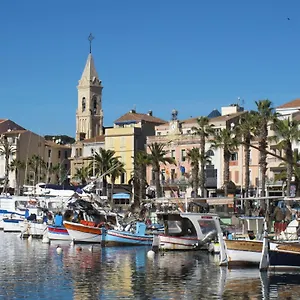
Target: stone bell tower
89, 114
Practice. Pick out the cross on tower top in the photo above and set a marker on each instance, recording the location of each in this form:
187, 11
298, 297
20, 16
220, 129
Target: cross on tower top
90, 38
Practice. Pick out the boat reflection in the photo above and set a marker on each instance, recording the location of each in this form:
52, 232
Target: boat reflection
252, 284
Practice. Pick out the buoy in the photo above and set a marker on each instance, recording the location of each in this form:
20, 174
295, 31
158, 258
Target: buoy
30, 238
78, 248
58, 249
150, 254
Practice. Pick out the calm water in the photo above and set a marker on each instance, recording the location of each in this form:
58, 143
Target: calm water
32, 270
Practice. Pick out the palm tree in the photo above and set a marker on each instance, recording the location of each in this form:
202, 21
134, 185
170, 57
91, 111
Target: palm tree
117, 170
140, 160
38, 166
82, 174
56, 170
225, 139
157, 156
193, 156
264, 115
104, 165
204, 129
6, 150
287, 132
17, 165
246, 131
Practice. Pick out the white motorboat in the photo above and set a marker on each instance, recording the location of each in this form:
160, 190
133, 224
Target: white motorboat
187, 231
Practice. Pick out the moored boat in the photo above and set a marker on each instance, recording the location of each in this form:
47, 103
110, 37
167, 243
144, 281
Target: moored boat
84, 232
12, 224
58, 233
188, 231
113, 237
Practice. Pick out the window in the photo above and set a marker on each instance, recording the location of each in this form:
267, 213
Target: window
234, 156
210, 153
173, 175
66, 167
66, 154
76, 153
95, 103
83, 104
183, 155
123, 178
173, 153
58, 153
80, 152
49, 153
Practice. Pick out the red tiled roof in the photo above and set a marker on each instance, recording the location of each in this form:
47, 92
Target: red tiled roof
294, 103
133, 116
2, 120
98, 138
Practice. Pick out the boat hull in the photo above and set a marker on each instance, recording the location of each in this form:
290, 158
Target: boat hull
123, 238
82, 233
58, 233
177, 243
12, 225
243, 252
285, 256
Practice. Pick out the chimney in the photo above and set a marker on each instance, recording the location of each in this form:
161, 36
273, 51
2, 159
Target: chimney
150, 113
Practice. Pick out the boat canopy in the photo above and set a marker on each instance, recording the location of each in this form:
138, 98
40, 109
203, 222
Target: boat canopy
121, 196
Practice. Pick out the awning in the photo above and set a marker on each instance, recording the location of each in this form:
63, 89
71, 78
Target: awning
121, 196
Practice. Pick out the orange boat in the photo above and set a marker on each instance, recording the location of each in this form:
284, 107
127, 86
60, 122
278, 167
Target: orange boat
84, 231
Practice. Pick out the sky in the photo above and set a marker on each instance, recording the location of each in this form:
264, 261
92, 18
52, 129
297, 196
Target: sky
192, 56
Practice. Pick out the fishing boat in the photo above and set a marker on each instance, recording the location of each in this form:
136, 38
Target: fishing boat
58, 231
12, 224
244, 248
84, 232
187, 230
127, 237
279, 255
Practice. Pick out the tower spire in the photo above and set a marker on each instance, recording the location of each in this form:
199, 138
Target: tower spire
90, 38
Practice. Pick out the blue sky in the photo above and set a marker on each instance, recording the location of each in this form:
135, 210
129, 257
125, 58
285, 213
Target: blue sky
192, 55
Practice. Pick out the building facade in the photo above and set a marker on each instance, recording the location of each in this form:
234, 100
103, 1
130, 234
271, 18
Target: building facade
30, 150
129, 135
179, 137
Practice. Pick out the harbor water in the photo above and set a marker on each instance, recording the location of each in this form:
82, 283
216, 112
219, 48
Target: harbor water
33, 270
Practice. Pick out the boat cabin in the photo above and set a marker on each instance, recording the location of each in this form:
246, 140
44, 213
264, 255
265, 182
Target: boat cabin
190, 224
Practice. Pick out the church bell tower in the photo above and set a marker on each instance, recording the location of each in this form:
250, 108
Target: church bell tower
89, 114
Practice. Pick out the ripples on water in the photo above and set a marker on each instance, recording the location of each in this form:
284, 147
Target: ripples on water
32, 270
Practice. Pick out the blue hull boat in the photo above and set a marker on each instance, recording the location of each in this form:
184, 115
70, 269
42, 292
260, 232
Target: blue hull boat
139, 237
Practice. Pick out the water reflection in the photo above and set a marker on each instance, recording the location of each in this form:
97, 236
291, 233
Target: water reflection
35, 271
252, 284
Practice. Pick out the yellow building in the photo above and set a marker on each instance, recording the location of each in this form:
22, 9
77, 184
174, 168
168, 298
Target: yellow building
129, 135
